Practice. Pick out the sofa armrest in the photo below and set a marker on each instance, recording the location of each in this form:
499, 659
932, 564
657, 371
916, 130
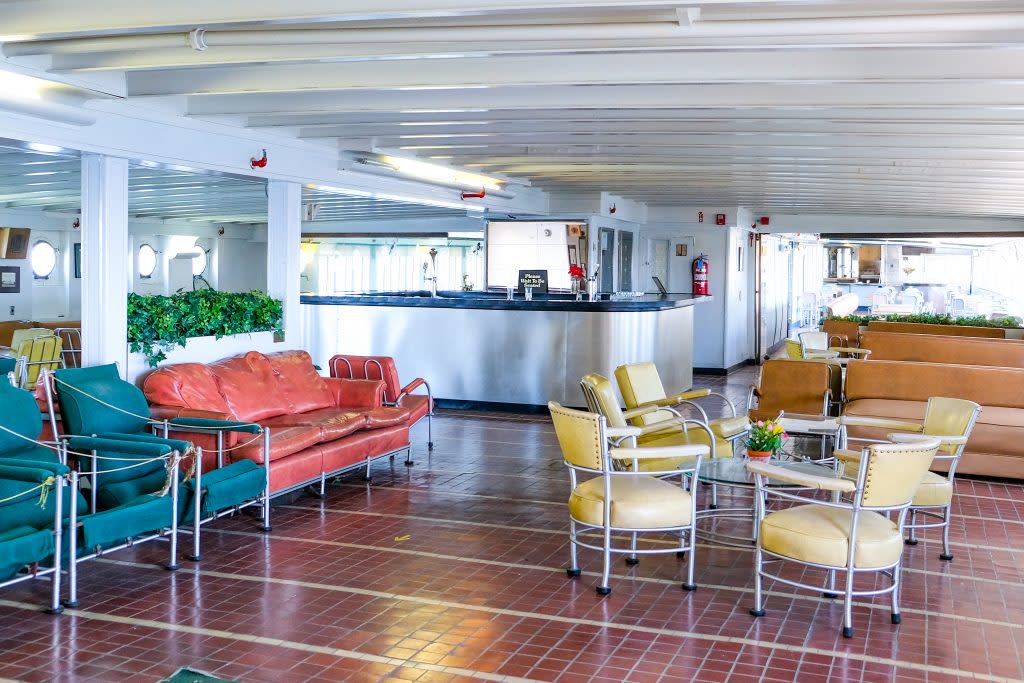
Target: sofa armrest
159, 412
356, 393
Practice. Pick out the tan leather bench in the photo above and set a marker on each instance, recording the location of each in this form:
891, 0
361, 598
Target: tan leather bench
928, 348
900, 390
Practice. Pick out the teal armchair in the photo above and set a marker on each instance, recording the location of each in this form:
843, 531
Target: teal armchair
44, 517
96, 402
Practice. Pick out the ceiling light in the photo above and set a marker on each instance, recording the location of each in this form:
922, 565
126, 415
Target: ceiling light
30, 96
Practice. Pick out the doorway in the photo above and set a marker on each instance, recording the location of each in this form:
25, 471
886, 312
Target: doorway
607, 250
657, 259
625, 261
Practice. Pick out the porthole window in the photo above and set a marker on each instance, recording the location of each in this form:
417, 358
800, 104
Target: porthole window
147, 261
44, 259
199, 262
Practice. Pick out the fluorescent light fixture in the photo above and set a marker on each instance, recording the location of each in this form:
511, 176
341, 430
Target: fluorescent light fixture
433, 173
397, 198
443, 111
46, 149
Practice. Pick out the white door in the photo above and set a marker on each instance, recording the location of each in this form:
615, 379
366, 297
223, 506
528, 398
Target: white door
657, 258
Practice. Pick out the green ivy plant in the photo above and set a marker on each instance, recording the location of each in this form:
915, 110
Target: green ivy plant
157, 324
932, 319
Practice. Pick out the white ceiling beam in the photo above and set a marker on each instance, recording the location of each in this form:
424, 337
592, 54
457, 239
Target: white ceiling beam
875, 66
798, 116
974, 95
732, 126
32, 19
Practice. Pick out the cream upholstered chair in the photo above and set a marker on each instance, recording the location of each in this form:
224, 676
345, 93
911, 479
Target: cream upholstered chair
676, 431
814, 345
616, 500
641, 386
951, 420
848, 534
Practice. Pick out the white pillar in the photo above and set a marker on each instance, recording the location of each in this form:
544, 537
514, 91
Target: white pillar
105, 262
284, 235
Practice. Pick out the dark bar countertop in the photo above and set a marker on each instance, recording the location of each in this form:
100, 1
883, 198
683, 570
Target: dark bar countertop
497, 301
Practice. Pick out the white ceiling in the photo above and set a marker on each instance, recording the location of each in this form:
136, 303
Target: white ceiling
51, 181
904, 107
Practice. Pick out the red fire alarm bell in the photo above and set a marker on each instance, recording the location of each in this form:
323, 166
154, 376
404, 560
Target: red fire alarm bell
764, 220
700, 216
719, 219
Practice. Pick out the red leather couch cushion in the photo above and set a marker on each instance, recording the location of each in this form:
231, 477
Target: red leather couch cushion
250, 387
377, 418
368, 367
355, 448
283, 441
418, 406
304, 388
334, 423
187, 385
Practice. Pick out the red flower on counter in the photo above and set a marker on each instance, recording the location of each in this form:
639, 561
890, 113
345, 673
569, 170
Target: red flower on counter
576, 272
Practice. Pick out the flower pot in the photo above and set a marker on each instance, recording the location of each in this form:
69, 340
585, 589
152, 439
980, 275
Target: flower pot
759, 456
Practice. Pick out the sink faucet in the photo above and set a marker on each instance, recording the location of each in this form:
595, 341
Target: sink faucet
433, 268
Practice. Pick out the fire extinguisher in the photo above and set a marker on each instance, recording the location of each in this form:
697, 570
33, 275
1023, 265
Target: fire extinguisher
700, 268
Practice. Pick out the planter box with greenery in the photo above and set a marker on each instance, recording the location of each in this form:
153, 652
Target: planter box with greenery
157, 324
932, 319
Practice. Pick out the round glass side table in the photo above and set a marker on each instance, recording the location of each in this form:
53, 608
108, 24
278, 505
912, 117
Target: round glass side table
732, 472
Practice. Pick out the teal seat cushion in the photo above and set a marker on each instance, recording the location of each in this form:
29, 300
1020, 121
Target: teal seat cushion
21, 546
227, 486
7, 364
143, 515
82, 414
30, 452
115, 494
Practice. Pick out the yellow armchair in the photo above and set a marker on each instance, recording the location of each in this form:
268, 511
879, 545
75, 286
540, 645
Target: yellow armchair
612, 499
641, 386
951, 421
852, 533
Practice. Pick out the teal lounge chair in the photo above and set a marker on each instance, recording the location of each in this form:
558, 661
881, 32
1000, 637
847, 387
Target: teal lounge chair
96, 401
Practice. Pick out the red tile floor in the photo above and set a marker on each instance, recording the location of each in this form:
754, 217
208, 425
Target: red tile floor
454, 570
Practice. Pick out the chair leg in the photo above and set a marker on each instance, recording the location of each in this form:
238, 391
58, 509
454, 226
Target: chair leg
604, 588
632, 559
758, 609
946, 554
714, 497
896, 576
574, 566
912, 538
408, 457
690, 585
848, 605
366, 477
430, 429
830, 592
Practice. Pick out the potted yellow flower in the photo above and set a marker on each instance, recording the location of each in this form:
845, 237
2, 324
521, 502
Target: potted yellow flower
765, 439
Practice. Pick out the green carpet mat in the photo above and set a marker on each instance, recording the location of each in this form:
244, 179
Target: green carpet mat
193, 676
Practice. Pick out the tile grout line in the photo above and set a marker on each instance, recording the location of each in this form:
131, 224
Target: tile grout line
624, 577
263, 640
932, 668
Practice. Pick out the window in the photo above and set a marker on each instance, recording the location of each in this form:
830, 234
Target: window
44, 259
147, 261
199, 262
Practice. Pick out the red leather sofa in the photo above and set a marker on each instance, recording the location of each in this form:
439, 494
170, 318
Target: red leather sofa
319, 426
383, 368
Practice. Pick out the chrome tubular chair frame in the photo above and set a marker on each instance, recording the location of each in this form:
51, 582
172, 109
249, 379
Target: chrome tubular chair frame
856, 507
934, 512
687, 533
54, 571
397, 402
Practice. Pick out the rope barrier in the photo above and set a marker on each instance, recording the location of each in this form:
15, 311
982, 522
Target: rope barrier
43, 497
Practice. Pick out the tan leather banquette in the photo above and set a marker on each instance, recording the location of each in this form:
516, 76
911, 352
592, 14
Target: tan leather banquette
933, 348
928, 328
900, 390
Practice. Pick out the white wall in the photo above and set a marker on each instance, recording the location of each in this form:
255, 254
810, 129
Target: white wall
723, 326
241, 265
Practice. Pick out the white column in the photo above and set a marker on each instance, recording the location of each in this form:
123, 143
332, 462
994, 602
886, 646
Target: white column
105, 262
284, 235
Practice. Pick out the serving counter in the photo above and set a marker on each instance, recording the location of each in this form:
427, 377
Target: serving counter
478, 347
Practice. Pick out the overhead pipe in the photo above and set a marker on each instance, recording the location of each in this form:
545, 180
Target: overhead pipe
201, 39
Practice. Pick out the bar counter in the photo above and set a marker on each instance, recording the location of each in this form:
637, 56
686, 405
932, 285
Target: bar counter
480, 348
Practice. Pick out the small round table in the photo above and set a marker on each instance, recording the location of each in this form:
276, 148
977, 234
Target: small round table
733, 472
